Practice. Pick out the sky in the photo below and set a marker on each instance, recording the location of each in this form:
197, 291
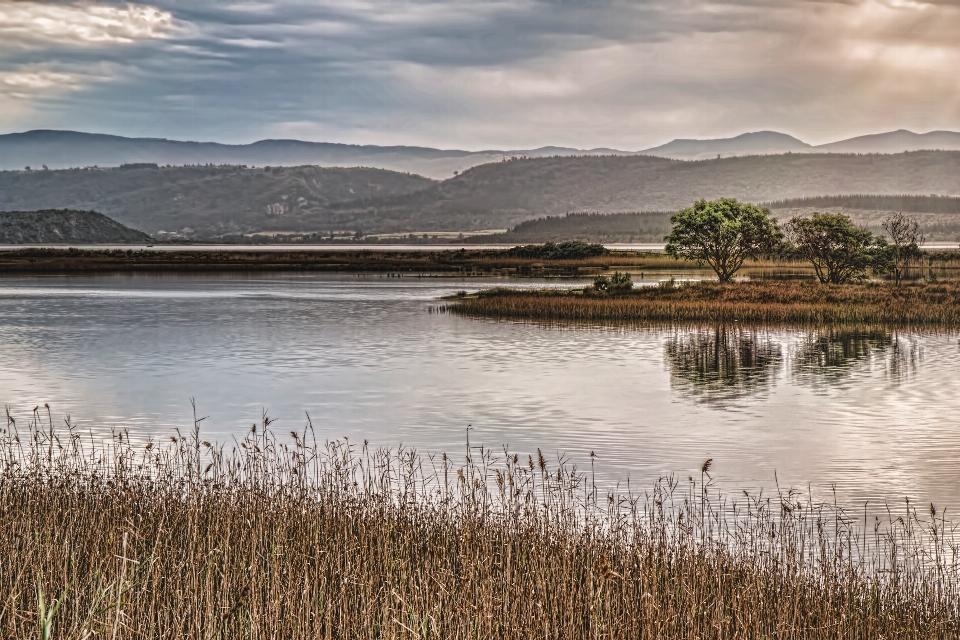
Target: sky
480, 74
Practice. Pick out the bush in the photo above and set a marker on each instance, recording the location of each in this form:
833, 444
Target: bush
617, 283
572, 250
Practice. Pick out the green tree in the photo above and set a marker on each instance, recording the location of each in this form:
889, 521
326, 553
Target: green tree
722, 233
838, 250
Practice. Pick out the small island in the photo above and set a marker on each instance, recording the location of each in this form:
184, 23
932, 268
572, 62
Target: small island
726, 234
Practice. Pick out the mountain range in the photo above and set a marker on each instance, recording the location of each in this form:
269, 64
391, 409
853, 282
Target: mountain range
69, 149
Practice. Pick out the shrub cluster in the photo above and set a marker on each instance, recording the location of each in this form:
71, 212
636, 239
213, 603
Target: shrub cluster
572, 250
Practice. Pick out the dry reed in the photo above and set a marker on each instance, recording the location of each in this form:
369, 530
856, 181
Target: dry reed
111, 539
757, 302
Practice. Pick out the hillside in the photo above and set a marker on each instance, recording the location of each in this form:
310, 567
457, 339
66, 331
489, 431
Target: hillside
64, 226
501, 195
937, 215
203, 201
902, 203
649, 226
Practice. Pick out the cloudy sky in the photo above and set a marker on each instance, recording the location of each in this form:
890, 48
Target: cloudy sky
481, 73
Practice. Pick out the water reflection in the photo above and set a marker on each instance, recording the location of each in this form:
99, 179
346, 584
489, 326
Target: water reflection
830, 357
721, 364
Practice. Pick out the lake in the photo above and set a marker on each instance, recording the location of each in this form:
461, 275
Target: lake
872, 413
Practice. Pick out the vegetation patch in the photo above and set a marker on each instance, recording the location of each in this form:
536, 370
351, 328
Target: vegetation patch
758, 302
572, 250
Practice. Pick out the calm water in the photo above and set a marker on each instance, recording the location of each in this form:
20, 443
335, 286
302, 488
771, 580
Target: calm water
876, 414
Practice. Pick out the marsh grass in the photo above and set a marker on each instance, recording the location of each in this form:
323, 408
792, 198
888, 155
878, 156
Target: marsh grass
291, 538
755, 302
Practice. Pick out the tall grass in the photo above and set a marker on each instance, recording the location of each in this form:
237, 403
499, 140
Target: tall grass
758, 302
298, 539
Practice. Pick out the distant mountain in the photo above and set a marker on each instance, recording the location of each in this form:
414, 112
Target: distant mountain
771, 143
65, 226
71, 149
895, 142
757, 143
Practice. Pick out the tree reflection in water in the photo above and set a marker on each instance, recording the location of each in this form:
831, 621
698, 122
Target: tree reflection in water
829, 357
720, 364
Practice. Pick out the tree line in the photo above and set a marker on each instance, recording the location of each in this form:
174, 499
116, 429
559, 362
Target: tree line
724, 233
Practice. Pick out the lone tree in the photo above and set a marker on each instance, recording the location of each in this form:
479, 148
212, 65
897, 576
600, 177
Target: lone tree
905, 243
722, 233
839, 251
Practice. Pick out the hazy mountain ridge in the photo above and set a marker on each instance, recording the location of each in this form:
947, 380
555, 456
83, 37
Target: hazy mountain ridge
756, 143
69, 149
65, 226
896, 142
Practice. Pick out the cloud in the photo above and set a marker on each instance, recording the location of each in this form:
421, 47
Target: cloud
49, 50
507, 74
39, 24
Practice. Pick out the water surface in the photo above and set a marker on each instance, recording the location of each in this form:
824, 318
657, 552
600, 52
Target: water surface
873, 413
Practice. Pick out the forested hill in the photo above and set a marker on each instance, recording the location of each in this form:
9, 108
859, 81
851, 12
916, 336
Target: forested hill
864, 202
649, 226
64, 226
502, 194
203, 200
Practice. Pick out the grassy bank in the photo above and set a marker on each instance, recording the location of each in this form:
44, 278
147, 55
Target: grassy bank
758, 302
291, 539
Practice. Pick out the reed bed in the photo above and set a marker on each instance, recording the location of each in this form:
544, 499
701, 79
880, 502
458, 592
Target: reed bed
757, 302
298, 539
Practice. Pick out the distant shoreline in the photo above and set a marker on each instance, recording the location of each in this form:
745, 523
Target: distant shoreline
328, 247
464, 262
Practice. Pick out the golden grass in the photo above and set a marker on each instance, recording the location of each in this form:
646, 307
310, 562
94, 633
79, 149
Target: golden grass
758, 302
303, 540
